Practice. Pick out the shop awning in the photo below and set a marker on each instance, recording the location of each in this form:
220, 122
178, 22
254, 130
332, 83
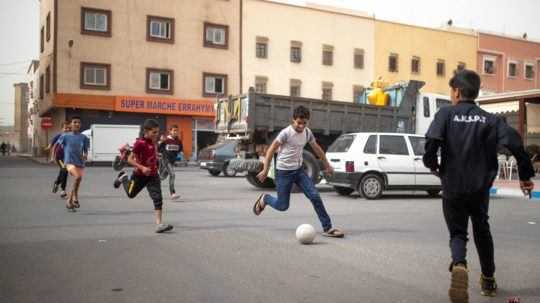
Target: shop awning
502, 107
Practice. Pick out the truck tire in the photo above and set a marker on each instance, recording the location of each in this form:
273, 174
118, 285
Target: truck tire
311, 166
343, 191
371, 186
252, 179
214, 173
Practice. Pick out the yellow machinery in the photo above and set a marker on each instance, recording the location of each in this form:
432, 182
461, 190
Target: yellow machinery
378, 96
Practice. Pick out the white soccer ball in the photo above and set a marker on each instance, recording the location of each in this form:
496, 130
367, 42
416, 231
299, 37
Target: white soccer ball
305, 234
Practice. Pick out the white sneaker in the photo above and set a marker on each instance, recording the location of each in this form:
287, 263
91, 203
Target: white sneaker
175, 197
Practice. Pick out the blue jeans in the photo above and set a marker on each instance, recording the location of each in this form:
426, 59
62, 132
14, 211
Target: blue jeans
284, 183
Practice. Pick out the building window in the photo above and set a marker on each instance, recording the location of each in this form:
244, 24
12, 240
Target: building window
441, 68
359, 58
95, 76
96, 22
393, 63
41, 88
261, 47
358, 91
295, 88
328, 55
296, 51
529, 71
512, 69
327, 91
461, 66
216, 35
48, 26
489, 65
160, 29
159, 81
261, 84
415, 65
48, 79
214, 85
42, 39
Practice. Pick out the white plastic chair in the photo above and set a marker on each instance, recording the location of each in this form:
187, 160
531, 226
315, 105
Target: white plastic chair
512, 166
503, 166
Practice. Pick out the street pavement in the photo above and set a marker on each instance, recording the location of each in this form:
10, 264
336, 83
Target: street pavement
395, 250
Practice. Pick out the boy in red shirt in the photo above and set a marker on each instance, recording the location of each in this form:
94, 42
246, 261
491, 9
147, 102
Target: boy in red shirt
144, 159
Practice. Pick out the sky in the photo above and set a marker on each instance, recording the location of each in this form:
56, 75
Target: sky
19, 27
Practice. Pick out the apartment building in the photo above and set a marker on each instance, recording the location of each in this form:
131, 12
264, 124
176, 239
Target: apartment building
405, 52
120, 62
508, 63
306, 51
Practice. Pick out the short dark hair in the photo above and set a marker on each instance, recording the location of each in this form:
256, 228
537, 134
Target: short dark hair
301, 112
173, 126
149, 124
467, 82
74, 118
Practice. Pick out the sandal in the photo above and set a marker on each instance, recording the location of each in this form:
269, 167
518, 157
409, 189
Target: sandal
76, 203
69, 204
259, 205
334, 233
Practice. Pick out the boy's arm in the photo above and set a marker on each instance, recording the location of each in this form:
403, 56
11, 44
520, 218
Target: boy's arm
430, 158
321, 154
509, 138
266, 163
132, 160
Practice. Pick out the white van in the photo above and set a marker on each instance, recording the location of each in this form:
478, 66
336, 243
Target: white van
106, 139
372, 163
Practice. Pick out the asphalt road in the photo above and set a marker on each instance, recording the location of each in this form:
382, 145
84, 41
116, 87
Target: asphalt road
395, 249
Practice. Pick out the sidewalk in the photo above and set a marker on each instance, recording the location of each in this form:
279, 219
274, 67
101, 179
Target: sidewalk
39, 160
510, 188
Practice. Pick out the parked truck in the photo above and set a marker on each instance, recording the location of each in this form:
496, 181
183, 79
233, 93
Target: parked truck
255, 119
105, 139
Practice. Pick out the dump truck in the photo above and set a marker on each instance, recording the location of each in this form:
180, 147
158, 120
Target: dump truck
255, 119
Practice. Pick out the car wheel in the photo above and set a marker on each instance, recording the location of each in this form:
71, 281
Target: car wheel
228, 171
214, 173
343, 191
371, 187
434, 193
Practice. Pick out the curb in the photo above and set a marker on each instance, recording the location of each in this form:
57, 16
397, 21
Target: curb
33, 159
512, 192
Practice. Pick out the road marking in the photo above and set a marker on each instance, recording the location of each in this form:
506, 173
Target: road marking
532, 223
102, 241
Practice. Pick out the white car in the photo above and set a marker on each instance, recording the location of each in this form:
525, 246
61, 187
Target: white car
372, 163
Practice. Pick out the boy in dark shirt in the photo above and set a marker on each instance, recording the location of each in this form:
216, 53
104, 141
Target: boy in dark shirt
169, 149
144, 159
468, 138
58, 157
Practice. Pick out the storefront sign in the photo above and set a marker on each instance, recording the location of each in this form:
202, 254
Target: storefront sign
157, 105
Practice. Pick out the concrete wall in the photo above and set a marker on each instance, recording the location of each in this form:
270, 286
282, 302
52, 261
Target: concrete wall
313, 27
430, 45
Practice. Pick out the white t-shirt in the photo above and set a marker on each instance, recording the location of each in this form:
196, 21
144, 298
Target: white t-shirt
292, 144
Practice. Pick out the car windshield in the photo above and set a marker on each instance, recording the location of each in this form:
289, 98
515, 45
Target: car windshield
342, 144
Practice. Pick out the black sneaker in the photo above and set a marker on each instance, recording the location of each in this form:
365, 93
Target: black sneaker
119, 179
459, 284
489, 286
161, 228
55, 188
